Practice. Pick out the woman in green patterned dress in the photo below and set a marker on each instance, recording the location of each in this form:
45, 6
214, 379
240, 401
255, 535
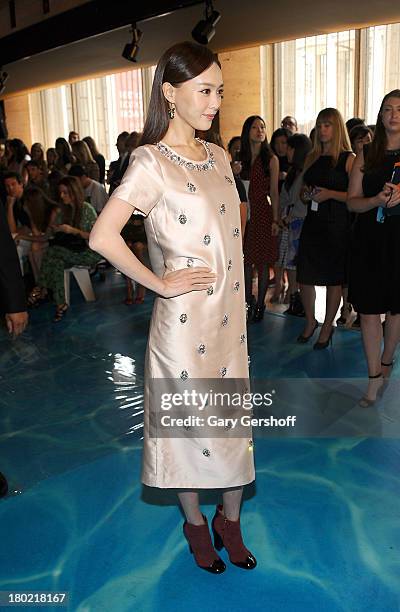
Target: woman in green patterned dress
69, 247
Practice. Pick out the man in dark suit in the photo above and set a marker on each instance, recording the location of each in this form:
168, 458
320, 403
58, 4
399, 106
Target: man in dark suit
12, 290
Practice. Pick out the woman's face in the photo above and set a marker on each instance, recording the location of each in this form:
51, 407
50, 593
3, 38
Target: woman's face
290, 153
390, 114
257, 131
198, 100
280, 146
36, 153
65, 196
360, 142
325, 131
51, 157
234, 149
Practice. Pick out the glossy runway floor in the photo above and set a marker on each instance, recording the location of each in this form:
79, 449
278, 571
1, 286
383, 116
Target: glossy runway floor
322, 519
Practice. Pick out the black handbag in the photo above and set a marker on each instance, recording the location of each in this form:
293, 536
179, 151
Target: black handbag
74, 243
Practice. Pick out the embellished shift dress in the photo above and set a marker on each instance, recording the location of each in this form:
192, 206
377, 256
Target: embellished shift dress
192, 220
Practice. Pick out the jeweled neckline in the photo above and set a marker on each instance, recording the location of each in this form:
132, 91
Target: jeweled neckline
392, 151
190, 164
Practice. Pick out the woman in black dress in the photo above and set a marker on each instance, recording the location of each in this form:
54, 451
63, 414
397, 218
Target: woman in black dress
375, 247
323, 248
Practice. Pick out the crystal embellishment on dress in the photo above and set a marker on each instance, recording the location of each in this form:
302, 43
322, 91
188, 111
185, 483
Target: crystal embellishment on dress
222, 209
191, 187
183, 318
206, 452
184, 375
242, 338
230, 264
201, 349
228, 180
189, 262
210, 290
223, 372
236, 286
251, 443
207, 239
207, 164
236, 232
182, 219
225, 320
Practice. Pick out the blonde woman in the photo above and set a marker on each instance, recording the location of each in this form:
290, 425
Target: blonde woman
324, 239
84, 157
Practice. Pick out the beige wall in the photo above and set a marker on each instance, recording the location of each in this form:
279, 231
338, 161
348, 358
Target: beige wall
18, 118
241, 74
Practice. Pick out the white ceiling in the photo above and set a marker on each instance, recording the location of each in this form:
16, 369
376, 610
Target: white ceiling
242, 25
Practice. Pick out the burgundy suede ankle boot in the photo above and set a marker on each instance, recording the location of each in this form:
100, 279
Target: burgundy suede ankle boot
227, 533
199, 539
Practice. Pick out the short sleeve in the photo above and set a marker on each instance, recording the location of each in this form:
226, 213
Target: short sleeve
142, 184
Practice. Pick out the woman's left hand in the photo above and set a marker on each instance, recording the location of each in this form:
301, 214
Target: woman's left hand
321, 194
67, 229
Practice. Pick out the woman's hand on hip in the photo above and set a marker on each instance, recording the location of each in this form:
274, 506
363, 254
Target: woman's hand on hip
187, 280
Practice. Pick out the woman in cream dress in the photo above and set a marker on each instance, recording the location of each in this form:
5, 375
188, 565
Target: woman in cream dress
185, 188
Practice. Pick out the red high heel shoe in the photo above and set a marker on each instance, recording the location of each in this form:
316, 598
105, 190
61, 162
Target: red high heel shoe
200, 545
227, 533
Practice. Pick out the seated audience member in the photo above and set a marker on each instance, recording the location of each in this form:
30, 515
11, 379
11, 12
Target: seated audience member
16, 216
97, 156
65, 158
289, 123
135, 237
73, 137
51, 158
16, 155
117, 168
84, 158
94, 192
35, 177
37, 155
12, 291
69, 246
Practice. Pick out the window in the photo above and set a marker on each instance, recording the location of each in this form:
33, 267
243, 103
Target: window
101, 108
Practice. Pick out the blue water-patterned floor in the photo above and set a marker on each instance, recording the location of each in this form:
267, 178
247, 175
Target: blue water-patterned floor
323, 518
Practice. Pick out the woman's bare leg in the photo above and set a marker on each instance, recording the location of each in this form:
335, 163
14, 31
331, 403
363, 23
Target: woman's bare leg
307, 293
231, 503
190, 505
372, 335
391, 341
333, 297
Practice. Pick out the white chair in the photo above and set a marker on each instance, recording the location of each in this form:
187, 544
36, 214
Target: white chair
82, 277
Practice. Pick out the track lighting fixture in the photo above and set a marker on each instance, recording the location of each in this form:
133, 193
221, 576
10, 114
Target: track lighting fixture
131, 49
204, 31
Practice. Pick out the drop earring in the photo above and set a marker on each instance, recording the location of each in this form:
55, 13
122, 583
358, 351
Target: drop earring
171, 110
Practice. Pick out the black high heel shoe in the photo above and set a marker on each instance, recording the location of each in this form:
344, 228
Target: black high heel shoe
304, 339
319, 346
385, 378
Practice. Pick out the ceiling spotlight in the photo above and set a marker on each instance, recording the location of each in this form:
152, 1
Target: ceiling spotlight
131, 49
204, 31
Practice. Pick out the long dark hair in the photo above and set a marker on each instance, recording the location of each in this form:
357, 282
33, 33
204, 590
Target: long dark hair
66, 156
302, 145
180, 63
245, 149
77, 196
376, 150
277, 134
39, 207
